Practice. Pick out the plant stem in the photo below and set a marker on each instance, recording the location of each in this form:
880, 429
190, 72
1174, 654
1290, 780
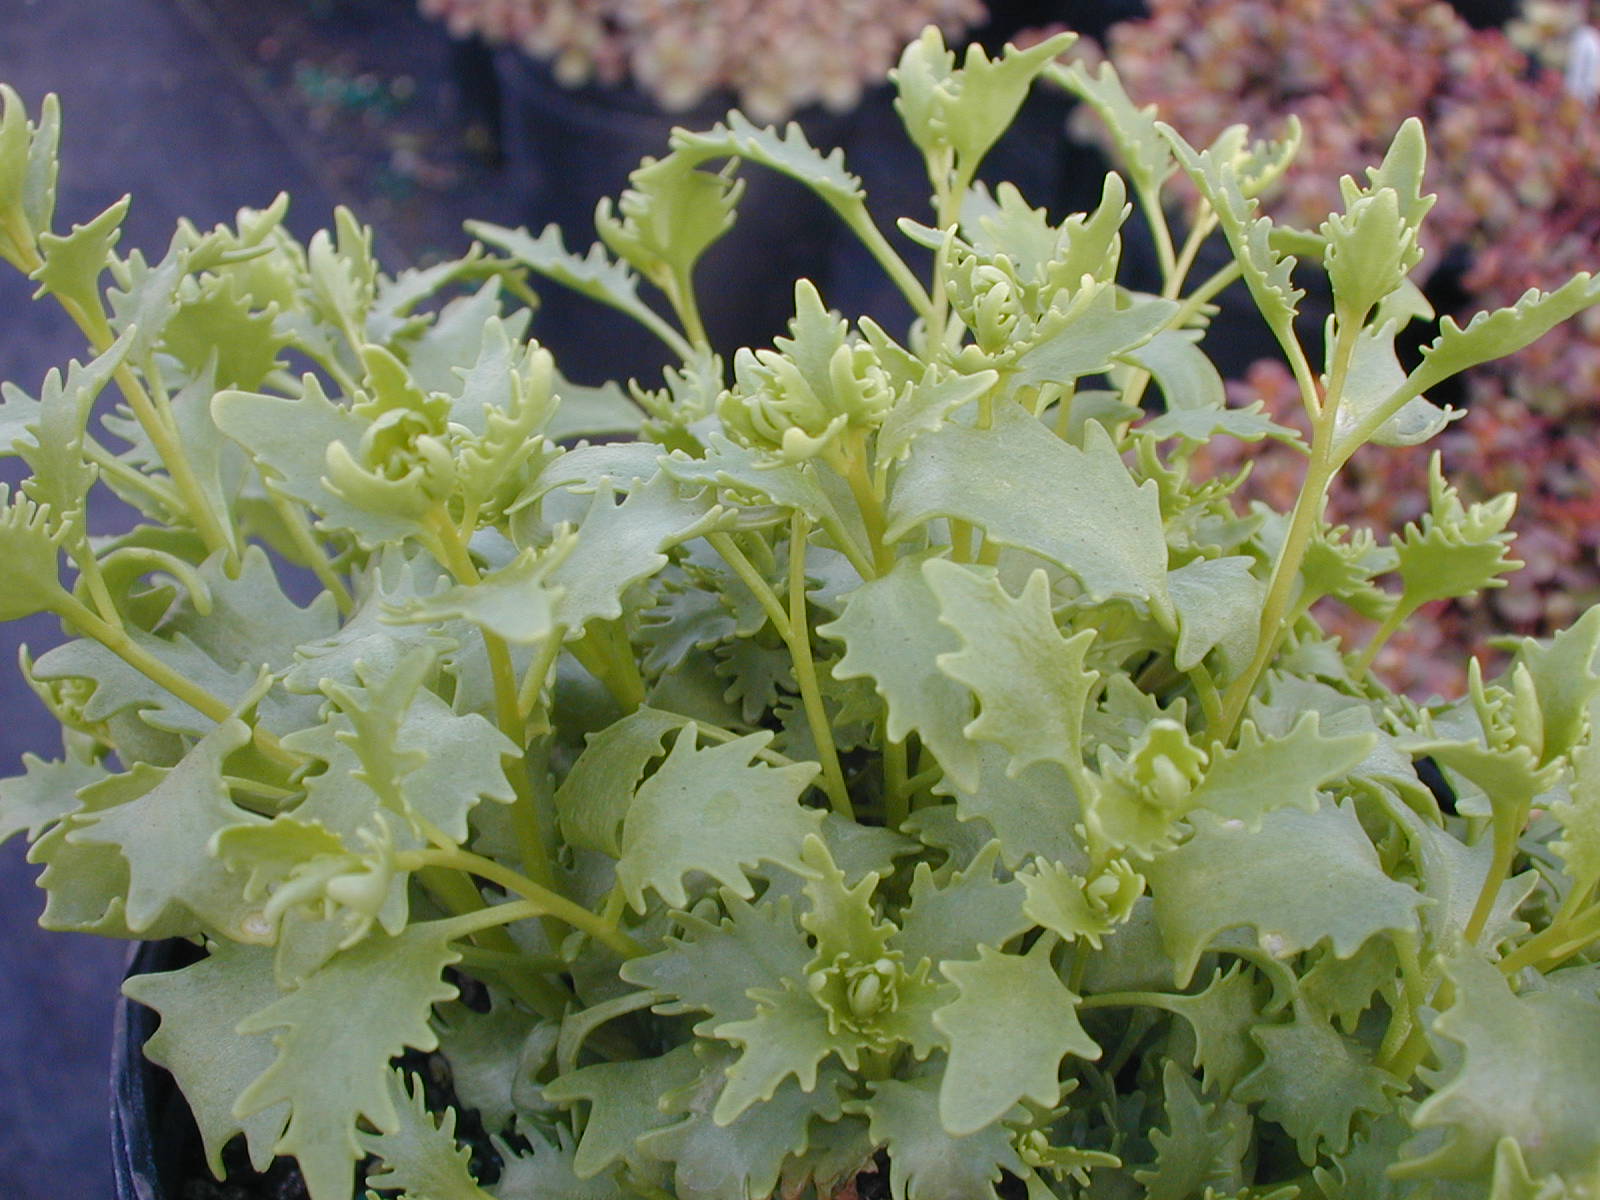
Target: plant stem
741, 566
311, 552
542, 900
799, 642
896, 795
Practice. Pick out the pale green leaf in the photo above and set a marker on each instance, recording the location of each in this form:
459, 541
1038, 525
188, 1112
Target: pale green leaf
892, 634
625, 1103
484, 1052
1101, 325
1528, 1069
1313, 1081
1566, 678
949, 919
1026, 488
1455, 549
1199, 425
925, 407
1218, 603
201, 1006
593, 799
1187, 378
1145, 153
515, 602
926, 1160
335, 1035
1030, 682
1221, 1018
73, 263
1198, 1150
545, 1172
1372, 377
1491, 335
1009, 1030
789, 1034
164, 834
788, 153
668, 217
712, 966
713, 810
1313, 876
28, 549
753, 475
43, 794
252, 621
1035, 812
420, 1157
1262, 774
746, 1156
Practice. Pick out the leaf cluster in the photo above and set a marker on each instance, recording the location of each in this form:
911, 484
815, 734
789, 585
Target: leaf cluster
901, 749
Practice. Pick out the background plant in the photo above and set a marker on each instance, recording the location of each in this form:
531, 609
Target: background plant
902, 748
776, 57
1515, 166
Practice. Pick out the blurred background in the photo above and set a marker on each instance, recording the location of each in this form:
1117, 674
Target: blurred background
521, 112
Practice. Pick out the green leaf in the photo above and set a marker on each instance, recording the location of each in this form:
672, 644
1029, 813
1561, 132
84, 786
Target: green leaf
1268, 272
716, 811
789, 154
625, 1103
337, 1032
164, 833
668, 217
72, 264
1197, 1154
593, 799
789, 1035
484, 1052
1035, 812
219, 320
1026, 488
201, 1006
1370, 249
28, 548
924, 409
420, 1158
289, 439
1146, 155
967, 109
1456, 549
1221, 1018
1009, 1030
1218, 603
1313, 876
926, 1160
1491, 335
1199, 425
1101, 325
515, 602
892, 634
545, 1172
715, 965
620, 544
746, 1156
1373, 377
1030, 682
28, 167
1187, 378
1262, 774
1566, 678
1528, 1069
1313, 1082
755, 475
951, 918
43, 794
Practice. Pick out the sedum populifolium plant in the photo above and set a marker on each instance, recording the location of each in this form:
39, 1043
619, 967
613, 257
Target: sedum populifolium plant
893, 758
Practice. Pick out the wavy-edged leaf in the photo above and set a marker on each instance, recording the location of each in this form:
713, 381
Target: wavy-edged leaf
28, 549
1313, 876
950, 919
201, 1006
164, 834
1035, 812
1526, 1068
1198, 1152
1031, 683
892, 635
335, 1035
788, 153
544, 1171
717, 811
1566, 678
1102, 325
73, 262
625, 1103
789, 1034
1145, 153
668, 217
1313, 1081
45, 792
926, 1160
925, 407
1262, 774
1026, 488
515, 602
1011, 1026
420, 1156
1218, 603
593, 799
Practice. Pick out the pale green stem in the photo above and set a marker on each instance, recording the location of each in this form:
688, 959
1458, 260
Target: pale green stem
311, 552
896, 795
741, 566
542, 900
799, 642
680, 294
